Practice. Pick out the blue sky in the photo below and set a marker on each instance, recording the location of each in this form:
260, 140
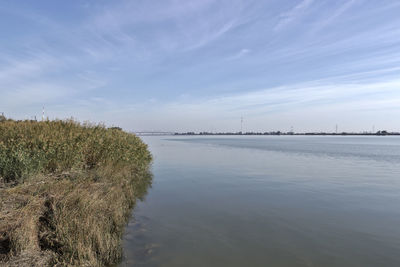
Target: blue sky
203, 64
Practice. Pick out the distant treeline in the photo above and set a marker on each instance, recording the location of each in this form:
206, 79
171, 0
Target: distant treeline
380, 133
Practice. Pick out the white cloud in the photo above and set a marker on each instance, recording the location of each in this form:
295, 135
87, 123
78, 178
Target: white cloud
128, 45
240, 54
308, 106
15, 70
294, 13
191, 24
336, 14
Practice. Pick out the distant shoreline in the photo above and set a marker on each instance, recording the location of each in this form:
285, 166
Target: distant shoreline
379, 133
334, 134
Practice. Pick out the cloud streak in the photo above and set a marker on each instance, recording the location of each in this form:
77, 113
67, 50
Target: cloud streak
294, 13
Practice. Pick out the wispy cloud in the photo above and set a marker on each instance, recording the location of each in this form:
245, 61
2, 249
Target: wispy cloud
19, 69
243, 52
316, 105
329, 19
302, 95
191, 24
294, 13
300, 100
105, 61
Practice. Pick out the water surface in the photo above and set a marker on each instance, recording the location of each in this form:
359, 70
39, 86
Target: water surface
269, 201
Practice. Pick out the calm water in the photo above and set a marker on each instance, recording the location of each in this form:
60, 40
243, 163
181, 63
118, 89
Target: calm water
269, 201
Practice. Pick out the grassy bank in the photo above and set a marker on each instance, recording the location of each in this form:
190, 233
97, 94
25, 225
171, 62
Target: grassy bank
66, 191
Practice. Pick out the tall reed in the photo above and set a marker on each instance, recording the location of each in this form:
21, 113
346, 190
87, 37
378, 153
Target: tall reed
68, 189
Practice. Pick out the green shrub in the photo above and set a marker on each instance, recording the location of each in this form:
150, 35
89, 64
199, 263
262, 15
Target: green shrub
69, 191
29, 147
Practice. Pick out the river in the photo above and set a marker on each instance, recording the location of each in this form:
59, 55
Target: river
269, 201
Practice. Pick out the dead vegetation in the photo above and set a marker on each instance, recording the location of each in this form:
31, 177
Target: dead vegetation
69, 212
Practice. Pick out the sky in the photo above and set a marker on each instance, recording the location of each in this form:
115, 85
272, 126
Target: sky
202, 65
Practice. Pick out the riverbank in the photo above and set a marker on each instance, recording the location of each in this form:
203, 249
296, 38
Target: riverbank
66, 191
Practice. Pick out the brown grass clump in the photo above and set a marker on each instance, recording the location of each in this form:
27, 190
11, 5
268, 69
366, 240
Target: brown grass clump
66, 192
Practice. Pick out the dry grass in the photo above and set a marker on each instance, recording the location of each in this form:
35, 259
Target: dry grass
67, 191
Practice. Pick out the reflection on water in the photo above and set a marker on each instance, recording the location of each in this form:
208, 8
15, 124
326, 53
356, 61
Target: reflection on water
143, 182
269, 201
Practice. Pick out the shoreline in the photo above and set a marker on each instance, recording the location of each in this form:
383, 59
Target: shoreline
269, 134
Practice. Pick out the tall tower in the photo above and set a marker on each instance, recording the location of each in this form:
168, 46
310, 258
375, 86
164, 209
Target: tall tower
241, 124
43, 113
